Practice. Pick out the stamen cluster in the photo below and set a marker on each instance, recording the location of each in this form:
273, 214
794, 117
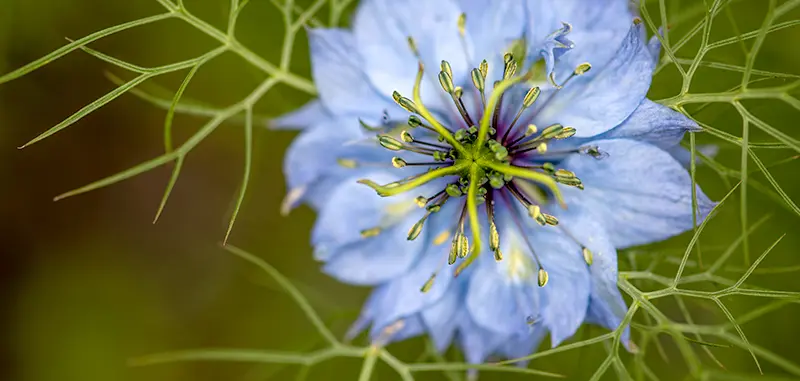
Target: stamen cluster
488, 167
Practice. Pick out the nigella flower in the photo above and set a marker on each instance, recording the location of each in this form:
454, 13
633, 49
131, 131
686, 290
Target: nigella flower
512, 151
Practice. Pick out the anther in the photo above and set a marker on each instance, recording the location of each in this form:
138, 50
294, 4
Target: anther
478, 80
390, 143
579, 70
541, 148
347, 163
406, 137
412, 45
494, 237
527, 102
510, 70
371, 232
535, 212
435, 208
463, 246
484, 69
421, 201
593, 151
405, 103
428, 284
551, 131
367, 127
532, 129
550, 220
446, 68
414, 122
398, 162
462, 24
454, 248
531, 97
446, 80
453, 190
588, 257
563, 173
413, 233
498, 255
543, 277
583, 68
567, 132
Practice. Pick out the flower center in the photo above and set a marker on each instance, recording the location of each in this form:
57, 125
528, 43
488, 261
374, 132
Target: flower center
486, 159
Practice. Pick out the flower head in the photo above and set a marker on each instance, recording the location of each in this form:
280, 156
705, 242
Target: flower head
480, 162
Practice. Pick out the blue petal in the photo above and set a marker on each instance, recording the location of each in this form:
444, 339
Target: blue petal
311, 113
653, 123
476, 342
565, 297
493, 26
521, 346
554, 46
640, 192
338, 72
403, 296
409, 327
382, 28
502, 296
606, 306
352, 202
596, 104
312, 156
375, 260
440, 317
492, 300
598, 28
654, 46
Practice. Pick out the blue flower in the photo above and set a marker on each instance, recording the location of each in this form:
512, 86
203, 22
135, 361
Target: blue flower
512, 150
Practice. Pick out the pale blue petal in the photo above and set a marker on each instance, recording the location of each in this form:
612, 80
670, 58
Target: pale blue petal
554, 46
565, 297
382, 28
492, 300
598, 28
595, 104
368, 313
641, 193
492, 26
653, 123
309, 114
524, 345
403, 296
377, 259
410, 326
355, 203
440, 317
476, 342
312, 155
606, 306
654, 46
338, 72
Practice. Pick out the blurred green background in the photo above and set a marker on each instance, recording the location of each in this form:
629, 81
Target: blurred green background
89, 282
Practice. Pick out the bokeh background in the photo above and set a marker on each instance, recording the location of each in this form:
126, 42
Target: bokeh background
89, 282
